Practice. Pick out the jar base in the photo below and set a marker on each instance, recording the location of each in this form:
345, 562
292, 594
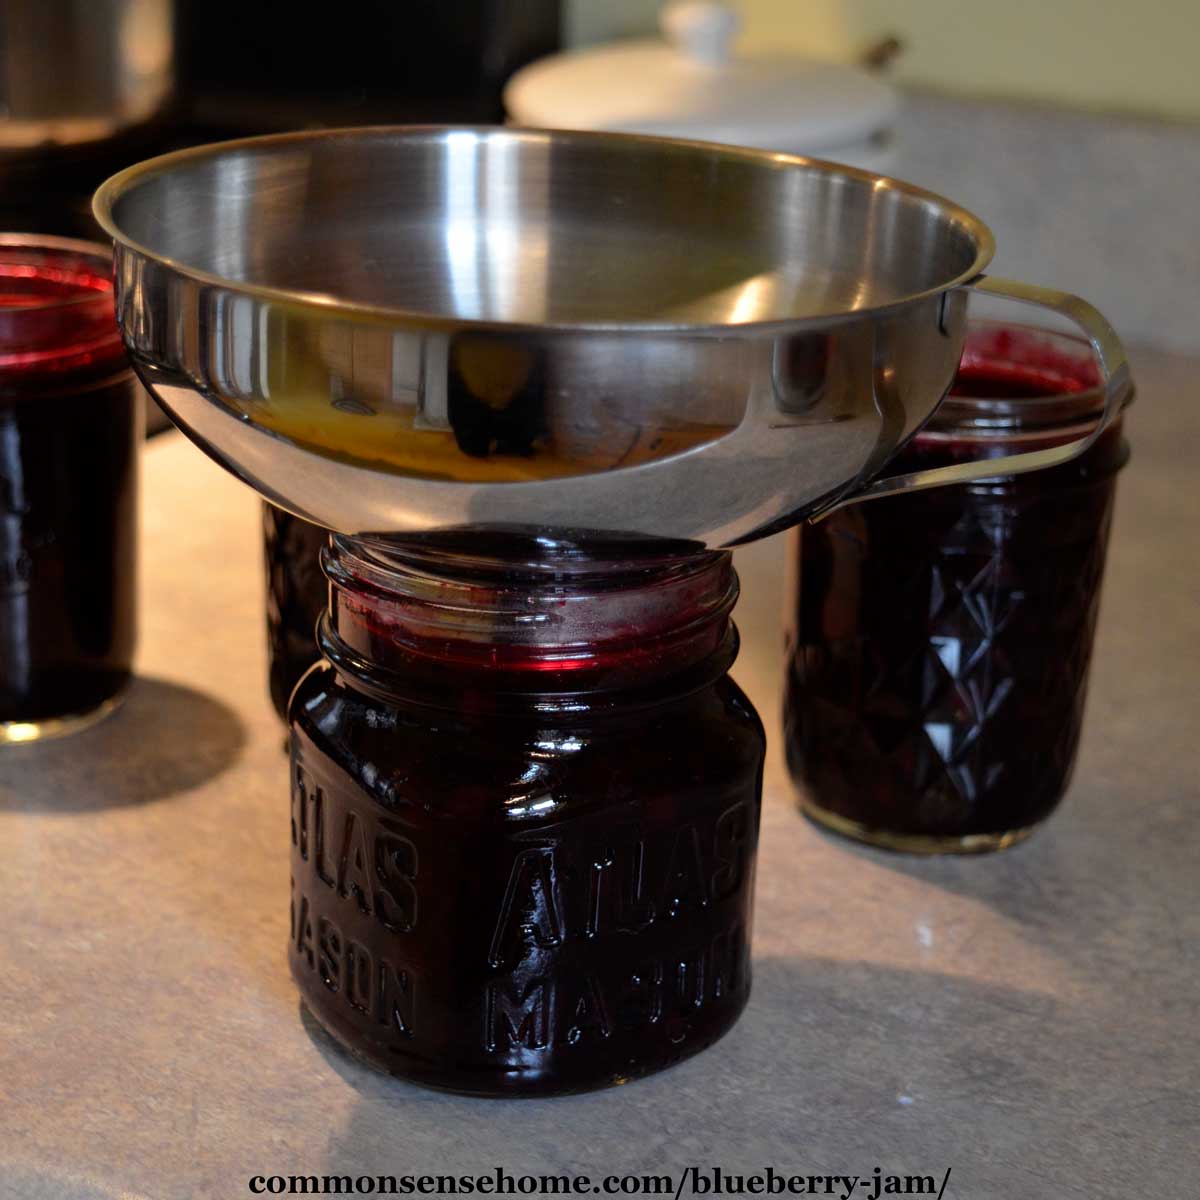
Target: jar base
513, 1085
914, 843
14, 733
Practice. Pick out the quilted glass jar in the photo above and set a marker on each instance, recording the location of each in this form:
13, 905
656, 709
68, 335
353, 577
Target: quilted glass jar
296, 595
939, 642
70, 428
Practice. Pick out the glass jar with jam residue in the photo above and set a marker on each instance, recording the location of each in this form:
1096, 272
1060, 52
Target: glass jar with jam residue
296, 596
939, 641
525, 806
70, 427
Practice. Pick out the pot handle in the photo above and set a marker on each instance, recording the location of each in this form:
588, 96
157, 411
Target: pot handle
1114, 367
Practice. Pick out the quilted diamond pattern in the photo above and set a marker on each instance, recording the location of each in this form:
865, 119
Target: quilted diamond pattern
941, 649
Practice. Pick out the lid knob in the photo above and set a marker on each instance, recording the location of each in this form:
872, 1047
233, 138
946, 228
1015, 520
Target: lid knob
702, 30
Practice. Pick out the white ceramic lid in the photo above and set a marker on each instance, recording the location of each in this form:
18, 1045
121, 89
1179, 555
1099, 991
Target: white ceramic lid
691, 85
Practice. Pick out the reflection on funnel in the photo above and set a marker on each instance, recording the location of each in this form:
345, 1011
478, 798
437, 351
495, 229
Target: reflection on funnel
463, 406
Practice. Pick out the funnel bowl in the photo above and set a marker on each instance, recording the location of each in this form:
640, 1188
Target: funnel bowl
411, 330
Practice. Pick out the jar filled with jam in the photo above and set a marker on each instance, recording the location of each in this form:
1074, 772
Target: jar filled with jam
939, 641
296, 595
70, 426
525, 807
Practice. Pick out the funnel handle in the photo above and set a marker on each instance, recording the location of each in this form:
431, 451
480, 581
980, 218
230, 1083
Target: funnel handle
1114, 368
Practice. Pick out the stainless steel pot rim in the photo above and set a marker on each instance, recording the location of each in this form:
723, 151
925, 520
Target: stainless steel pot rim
111, 191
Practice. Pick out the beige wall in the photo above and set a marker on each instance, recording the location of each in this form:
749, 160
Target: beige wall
1127, 55
586, 21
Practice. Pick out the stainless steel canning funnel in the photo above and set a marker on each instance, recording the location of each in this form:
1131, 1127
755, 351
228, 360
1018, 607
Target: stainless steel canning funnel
412, 330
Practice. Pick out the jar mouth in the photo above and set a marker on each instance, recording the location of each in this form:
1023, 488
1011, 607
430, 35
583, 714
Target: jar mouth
531, 554
521, 619
1016, 376
56, 306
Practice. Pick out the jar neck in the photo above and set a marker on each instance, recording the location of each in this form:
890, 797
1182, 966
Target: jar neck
58, 328
1019, 384
1020, 388
540, 620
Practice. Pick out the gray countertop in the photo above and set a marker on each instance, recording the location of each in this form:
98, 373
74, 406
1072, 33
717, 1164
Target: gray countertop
1030, 1019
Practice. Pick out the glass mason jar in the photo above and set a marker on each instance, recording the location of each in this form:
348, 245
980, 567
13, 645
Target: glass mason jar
296, 597
70, 427
939, 641
525, 805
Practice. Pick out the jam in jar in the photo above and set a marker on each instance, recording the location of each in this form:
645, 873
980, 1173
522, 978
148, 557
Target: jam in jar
525, 806
939, 641
296, 595
70, 426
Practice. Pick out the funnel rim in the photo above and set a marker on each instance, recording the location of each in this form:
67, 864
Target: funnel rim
112, 189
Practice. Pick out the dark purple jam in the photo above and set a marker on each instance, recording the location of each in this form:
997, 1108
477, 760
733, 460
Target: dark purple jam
939, 642
69, 433
296, 597
525, 807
